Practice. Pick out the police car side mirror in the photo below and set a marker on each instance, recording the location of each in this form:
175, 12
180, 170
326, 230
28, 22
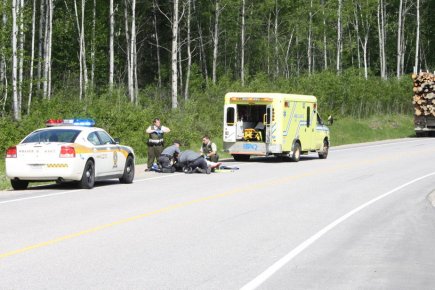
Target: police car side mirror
117, 140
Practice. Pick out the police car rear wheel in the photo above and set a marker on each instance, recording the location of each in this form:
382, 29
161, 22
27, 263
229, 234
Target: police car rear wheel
19, 184
88, 177
128, 175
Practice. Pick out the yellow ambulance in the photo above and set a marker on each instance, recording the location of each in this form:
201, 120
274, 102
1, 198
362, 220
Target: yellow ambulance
263, 124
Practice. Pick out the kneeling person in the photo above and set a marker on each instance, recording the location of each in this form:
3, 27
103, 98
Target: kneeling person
168, 157
209, 149
190, 162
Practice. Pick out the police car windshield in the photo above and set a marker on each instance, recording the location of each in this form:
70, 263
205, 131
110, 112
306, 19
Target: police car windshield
57, 135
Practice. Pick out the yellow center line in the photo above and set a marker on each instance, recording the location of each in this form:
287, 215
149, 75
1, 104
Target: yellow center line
259, 185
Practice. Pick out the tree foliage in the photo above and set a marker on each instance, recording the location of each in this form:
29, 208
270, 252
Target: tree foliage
290, 46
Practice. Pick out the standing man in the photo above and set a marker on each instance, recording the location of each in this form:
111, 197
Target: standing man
155, 141
168, 157
209, 149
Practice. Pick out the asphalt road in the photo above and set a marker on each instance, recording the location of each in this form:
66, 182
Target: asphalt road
361, 219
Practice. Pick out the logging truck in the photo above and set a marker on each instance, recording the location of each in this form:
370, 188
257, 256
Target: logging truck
424, 104
262, 124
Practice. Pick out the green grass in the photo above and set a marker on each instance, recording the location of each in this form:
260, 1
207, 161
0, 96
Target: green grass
344, 131
348, 130
4, 182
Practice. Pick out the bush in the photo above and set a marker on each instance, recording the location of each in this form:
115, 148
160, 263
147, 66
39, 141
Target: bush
346, 95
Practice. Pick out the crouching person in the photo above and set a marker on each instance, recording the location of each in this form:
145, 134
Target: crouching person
191, 162
169, 157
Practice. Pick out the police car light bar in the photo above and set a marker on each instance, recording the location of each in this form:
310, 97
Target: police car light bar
70, 122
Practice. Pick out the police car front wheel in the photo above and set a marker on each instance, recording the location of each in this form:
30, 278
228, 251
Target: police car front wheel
128, 175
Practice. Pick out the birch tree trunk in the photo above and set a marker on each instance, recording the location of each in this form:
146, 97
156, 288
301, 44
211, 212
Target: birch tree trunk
20, 53
366, 21
180, 67
268, 42
382, 38
417, 39
339, 36
242, 46
276, 39
325, 44
128, 51
111, 45
94, 12
174, 56
3, 67
309, 46
156, 32
202, 55
287, 56
47, 50
357, 28
189, 51
32, 57
15, 108
399, 39
215, 40
82, 57
132, 85
83, 47
80, 54
41, 45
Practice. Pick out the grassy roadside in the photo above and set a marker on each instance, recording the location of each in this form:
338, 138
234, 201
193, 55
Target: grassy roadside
348, 130
344, 131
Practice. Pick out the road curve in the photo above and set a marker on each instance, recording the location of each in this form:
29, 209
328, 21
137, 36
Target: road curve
360, 219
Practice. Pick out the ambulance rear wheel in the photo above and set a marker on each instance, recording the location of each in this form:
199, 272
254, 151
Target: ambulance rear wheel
324, 153
241, 157
296, 155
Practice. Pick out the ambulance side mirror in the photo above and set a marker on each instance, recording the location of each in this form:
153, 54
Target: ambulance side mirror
117, 140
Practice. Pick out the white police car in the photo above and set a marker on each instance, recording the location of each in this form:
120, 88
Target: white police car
69, 150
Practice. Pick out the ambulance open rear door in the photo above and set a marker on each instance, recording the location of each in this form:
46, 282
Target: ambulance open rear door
267, 118
230, 123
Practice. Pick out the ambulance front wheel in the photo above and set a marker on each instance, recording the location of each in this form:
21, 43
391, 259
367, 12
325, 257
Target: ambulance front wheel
324, 153
296, 155
241, 157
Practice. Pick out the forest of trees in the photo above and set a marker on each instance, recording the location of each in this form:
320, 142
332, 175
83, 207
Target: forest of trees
83, 48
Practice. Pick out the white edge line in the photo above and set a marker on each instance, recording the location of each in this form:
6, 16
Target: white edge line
260, 279
361, 145
74, 190
78, 190
41, 196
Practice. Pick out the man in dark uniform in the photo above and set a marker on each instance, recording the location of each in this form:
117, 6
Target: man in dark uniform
190, 161
169, 157
155, 141
209, 149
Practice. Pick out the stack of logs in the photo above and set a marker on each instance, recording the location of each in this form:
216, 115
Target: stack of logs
424, 94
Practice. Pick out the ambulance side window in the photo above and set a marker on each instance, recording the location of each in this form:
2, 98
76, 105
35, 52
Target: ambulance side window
230, 117
308, 117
